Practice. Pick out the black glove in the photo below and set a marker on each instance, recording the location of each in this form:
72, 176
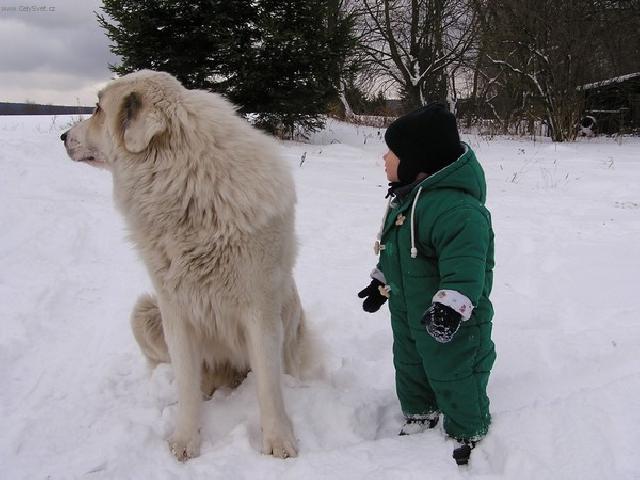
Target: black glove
442, 322
374, 299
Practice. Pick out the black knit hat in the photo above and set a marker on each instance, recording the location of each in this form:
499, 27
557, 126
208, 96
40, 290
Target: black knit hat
424, 140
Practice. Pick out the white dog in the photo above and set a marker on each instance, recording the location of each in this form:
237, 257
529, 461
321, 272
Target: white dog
210, 207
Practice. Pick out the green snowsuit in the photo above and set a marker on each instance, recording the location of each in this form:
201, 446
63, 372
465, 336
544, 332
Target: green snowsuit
454, 241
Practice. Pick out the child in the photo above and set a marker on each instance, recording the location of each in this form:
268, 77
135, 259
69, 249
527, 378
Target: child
435, 265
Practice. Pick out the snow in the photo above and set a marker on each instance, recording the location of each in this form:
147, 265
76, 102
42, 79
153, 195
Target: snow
610, 81
78, 401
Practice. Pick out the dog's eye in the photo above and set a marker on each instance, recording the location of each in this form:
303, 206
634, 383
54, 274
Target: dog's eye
98, 109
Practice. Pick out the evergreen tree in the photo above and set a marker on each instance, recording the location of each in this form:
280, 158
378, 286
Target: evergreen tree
294, 76
278, 59
204, 43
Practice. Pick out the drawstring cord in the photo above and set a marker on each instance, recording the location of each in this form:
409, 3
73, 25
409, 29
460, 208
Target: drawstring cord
376, 247
414, 250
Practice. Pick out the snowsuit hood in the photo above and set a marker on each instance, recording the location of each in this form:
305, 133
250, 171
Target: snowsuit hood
464, 174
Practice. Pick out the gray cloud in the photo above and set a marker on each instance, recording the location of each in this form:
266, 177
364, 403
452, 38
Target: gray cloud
52, 55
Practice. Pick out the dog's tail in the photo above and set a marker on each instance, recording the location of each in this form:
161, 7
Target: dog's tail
302, 350
146, 323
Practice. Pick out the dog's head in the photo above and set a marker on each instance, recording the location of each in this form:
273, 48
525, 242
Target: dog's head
130, 116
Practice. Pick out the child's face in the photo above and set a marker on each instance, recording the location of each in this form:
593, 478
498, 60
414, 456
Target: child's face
391, 163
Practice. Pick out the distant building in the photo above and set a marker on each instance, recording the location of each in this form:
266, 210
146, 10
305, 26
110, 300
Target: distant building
614, 104
36, 109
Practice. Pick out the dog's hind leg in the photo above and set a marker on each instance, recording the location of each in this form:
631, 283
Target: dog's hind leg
221, 375
302, 354
146, 323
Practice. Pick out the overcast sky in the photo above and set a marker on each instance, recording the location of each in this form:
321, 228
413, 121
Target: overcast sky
53, 53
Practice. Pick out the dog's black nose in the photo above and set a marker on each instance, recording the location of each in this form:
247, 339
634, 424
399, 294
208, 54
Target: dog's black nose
63, 137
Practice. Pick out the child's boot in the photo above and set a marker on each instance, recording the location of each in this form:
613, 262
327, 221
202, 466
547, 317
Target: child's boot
462, 450
418, 423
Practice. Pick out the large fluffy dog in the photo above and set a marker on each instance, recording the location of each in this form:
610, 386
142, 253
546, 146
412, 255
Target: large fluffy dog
210, 207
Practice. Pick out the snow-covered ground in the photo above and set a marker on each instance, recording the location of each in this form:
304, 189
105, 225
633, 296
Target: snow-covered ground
77, 400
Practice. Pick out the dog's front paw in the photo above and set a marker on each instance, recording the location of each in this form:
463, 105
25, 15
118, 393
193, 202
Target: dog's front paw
279, 442
185, 447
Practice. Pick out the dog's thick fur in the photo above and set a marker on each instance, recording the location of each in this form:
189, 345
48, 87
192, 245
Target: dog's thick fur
210, 207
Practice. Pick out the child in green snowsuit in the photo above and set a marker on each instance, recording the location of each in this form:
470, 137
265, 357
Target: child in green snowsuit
435, 267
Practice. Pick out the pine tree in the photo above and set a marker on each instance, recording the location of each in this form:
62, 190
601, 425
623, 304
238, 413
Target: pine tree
293, 79
204, 43
278, 59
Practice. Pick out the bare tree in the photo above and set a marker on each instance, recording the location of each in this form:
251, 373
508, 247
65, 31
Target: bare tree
415, 46
617, 46
535, 55
345, 64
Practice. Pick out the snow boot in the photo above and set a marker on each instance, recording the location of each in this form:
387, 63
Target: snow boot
419, 423
462, 450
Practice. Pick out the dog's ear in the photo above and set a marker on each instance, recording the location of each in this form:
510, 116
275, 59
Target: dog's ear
140, 123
